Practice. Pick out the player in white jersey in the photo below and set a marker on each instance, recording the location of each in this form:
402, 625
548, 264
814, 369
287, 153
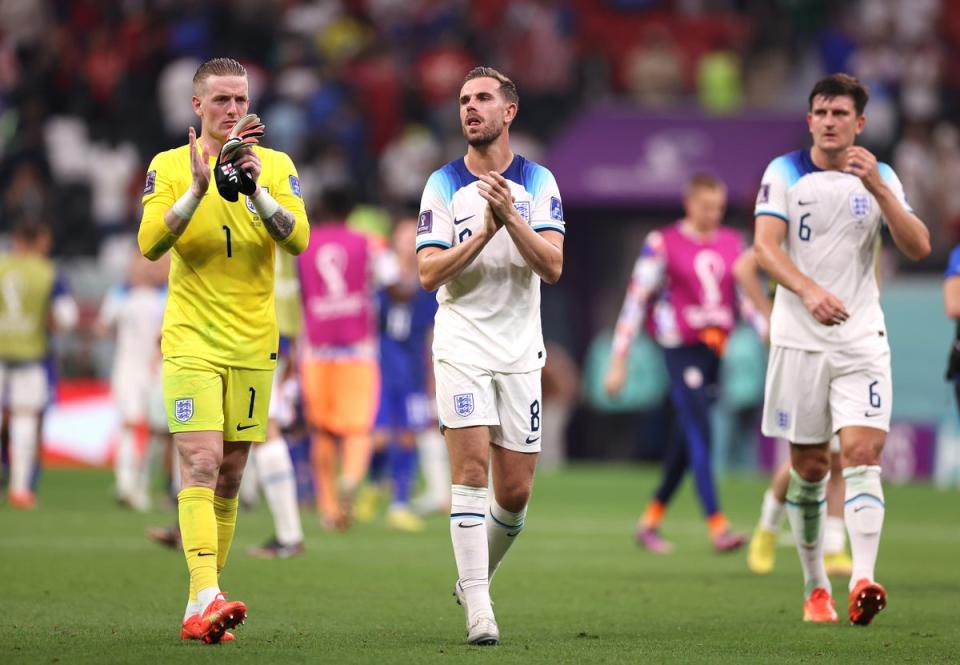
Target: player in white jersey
135, 311
490, 229
819, 212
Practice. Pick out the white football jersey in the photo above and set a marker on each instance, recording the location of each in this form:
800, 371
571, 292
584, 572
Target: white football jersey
833, 225
489, 315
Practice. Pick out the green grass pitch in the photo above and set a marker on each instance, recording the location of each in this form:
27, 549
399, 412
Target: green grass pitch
79, 583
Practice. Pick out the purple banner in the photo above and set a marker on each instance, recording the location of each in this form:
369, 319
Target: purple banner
612, 156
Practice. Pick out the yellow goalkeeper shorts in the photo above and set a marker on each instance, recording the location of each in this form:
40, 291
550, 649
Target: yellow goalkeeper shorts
199, 395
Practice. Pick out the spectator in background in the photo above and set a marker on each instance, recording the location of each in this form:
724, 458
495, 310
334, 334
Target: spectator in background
34, 296
339, 274
951, 305
683, 289
653, 70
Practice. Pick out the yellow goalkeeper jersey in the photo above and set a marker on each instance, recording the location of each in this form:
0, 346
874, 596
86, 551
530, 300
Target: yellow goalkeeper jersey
221, 296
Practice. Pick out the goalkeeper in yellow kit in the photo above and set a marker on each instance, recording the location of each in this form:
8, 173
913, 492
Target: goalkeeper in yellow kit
219, 330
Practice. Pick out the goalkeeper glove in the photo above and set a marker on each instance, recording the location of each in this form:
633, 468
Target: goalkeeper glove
232, 181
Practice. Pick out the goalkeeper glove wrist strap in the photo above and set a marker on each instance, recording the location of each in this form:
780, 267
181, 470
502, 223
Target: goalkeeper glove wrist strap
265, 204
185, 206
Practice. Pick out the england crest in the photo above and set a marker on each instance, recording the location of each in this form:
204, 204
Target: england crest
783, 419
523, 207
183, 409
859, 205
463, 404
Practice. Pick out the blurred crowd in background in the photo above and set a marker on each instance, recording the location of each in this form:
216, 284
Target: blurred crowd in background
364, 93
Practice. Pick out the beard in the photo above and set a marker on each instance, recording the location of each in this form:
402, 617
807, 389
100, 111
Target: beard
484, 138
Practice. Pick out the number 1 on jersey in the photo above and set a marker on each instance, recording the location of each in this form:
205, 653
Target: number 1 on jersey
229, 245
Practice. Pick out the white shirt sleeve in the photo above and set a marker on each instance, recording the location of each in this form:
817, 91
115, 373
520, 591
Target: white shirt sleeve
893, 182
547, 213
435, 224
772, 197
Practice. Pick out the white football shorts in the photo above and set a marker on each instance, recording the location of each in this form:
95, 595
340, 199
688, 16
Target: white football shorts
509, 404
810, 395
24, 386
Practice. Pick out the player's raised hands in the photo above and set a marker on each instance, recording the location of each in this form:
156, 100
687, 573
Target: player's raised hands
199, 166
863, 164
496, 190
825, 307
490, 222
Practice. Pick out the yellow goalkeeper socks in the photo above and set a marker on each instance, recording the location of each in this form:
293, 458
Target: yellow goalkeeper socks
226, 513
198, 529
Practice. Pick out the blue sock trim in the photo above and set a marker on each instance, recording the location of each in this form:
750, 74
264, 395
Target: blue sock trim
454, 516
863, 495
504, 524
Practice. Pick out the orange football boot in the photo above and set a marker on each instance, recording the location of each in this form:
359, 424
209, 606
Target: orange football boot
819, 607
866, 600
190, 630
220, 616
23, 500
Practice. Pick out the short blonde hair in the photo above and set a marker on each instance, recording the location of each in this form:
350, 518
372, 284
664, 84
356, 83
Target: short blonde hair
217, 67
704, 181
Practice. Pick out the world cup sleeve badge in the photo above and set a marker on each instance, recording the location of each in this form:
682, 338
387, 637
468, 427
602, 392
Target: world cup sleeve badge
151, 185
556, 209
425, 223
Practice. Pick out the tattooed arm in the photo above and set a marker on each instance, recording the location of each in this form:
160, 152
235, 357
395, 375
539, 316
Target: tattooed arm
280, 224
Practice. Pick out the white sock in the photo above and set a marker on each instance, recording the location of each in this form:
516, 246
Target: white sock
863, 512
207, 596
193, 607
432, 451
23, 450
275, 473
468, 507
772, 512
503, 527
834, 535
125, 463
806, 504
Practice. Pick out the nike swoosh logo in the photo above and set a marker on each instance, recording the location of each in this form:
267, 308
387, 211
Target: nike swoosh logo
867, 414
859, 508
513, 535
805, 203
240, 427
206, 554
460, 221
468, 526
529, 440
